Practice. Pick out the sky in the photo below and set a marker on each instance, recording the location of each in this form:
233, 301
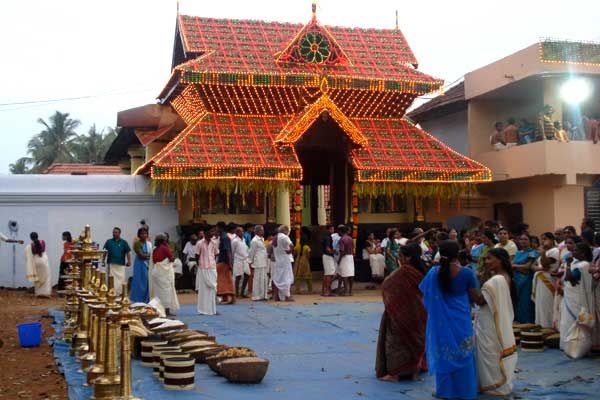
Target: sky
111, 55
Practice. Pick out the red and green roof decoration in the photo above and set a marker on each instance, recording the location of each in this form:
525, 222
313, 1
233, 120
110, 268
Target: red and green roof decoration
249, 90
570, 52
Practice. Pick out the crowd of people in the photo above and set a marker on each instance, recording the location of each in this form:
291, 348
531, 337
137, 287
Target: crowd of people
451, 298
513, 133
439, 280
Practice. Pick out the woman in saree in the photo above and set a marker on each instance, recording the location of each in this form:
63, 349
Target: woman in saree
543, 290
475, 251
140, 290
401, 343
523, 279
577, 294
496, 349
392, 251
163, 275
38, 269
448, 290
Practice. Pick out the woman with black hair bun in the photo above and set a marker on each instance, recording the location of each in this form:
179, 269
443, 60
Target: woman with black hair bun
38, 269
401, 343
448, 291
494, 338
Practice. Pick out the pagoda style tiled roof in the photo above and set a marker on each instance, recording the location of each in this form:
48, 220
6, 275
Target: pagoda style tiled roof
227, 146
398, 151
255, 47
244, 147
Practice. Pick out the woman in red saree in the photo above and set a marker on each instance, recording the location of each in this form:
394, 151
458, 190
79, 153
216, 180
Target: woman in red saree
401, 344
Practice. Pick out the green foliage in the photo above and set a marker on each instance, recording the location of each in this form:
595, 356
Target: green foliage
21, 166
59, 142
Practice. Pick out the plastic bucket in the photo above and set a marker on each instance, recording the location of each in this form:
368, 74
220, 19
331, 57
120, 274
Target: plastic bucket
30, 335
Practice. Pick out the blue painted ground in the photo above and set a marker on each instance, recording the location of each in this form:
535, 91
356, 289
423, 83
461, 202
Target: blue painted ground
327, 351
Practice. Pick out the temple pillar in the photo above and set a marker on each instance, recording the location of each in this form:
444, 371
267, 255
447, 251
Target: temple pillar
153, 148
282, 210
419, 213
136, 156
321, 212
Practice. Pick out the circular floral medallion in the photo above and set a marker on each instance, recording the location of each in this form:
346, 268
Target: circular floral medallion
314, 47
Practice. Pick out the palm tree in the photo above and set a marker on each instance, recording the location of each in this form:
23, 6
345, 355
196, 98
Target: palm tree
55, 142
21, 166
92, 147
88, 147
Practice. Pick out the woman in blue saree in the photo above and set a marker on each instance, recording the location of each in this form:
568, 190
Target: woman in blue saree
448, 290
523, 280
140, 291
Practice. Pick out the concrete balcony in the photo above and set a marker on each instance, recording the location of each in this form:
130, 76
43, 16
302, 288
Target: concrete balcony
543, 158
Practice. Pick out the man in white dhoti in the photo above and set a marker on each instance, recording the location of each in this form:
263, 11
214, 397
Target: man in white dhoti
346, 265
336, 282
241, 266
206, 276
163, 275
190, 262
283, 274
117, 257
543, 290
496, 349
259, 262
328, 261
38, 269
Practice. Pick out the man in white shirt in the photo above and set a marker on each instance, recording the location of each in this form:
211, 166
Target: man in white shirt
259, 262
335, 238
4, 238
283, 274
190, 259
241, 267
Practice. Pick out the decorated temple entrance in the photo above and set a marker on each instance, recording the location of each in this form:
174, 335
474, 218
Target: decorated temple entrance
324, 152
304, 123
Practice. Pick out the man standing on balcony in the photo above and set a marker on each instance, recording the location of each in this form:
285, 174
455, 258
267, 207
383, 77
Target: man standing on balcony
497, 138
510, 133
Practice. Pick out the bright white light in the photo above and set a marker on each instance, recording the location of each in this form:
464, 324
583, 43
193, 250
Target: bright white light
575, 91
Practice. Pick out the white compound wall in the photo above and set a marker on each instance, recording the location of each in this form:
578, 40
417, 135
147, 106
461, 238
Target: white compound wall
51, 204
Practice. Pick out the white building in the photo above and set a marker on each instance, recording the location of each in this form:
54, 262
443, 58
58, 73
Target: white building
51, 204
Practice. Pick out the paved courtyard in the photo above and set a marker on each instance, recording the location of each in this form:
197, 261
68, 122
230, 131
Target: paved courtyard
323, 351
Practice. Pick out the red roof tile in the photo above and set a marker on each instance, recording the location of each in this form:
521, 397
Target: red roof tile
398, 151
82, 169
243, 147
248, 46
228, 146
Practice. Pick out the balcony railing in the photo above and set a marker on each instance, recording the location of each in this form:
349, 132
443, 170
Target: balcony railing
543, 158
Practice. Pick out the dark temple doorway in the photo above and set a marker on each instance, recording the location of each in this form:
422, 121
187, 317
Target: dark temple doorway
324, 152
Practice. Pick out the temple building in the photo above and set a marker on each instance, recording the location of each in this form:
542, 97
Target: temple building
292, 123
